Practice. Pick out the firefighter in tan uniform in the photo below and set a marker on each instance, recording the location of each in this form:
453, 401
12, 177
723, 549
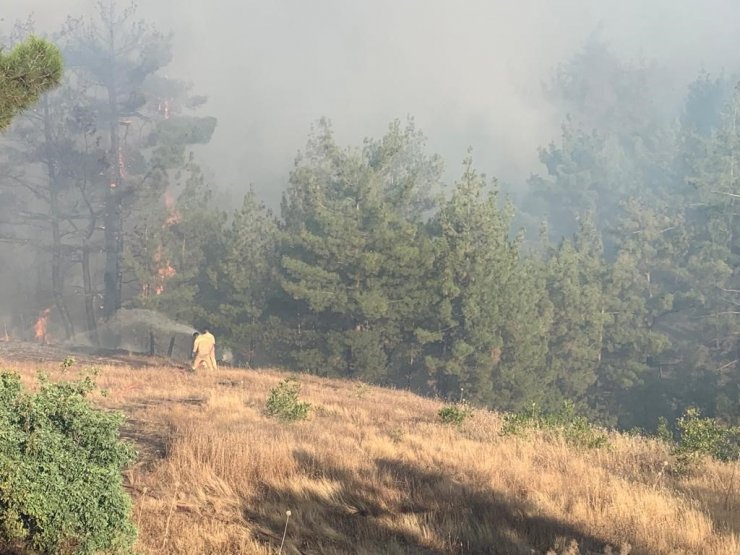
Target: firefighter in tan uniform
204, 350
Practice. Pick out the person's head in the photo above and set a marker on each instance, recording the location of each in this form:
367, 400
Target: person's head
205, 330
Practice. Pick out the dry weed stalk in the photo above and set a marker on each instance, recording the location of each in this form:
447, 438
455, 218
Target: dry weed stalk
285, 531
169, 515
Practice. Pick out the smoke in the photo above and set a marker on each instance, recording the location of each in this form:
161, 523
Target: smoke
134, 328
470, 73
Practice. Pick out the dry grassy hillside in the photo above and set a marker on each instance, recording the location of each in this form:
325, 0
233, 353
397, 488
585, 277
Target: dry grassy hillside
375, 471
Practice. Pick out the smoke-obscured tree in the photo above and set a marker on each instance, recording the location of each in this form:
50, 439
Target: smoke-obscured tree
680, 261
101, 151
602, 92
593, 172
354, 252
49, 167
141, 112
633, 349
617, 141
713, 261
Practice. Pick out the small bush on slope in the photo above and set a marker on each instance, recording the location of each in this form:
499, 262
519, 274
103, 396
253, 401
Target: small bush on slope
61, 458
576, 430
283, 402
705, 436
454, 414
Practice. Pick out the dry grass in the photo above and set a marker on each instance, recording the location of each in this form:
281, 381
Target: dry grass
374, 471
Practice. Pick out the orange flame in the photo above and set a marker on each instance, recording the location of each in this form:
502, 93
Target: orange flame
174, 214
165, 271
39, 327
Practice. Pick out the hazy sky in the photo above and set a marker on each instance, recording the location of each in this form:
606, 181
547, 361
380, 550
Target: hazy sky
470, 72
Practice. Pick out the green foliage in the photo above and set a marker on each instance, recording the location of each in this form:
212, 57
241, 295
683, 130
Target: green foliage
575, 287
354, 257
564, 422
174, 251
67, 363
701, 436
235, 293
662, 431
26, 72
455, 414
61, 487
283, 402
486, 333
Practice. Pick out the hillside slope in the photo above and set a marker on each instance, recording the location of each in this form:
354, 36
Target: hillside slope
375, 471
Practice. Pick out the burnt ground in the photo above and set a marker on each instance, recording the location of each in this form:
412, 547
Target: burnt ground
25, 351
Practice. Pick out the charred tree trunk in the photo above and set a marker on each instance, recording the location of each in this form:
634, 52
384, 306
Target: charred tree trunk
113, 246
113, 214
89, 294
57, 277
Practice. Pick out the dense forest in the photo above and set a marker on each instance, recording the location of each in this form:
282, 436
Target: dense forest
612, 281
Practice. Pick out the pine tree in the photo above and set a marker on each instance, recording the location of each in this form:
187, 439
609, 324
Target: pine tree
712, 264
617, 142
485, 334
145, 118
173, 244
241, 284
575, 285
31, 68
638, 304
353, 251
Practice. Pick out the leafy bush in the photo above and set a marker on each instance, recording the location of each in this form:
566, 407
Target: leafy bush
454, 414
705, 436
61, 458
564, 422
663, 431
283, 402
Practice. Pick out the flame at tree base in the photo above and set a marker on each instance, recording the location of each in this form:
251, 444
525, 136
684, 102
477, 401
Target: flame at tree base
40, 326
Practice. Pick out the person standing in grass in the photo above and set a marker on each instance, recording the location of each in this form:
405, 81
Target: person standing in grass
204, 350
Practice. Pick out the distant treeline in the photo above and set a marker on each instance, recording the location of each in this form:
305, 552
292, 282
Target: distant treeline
626, 302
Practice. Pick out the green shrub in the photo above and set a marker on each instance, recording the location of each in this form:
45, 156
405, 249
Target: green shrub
663, 431
61, 458
454, 414
705, 436
564, 422
283, 402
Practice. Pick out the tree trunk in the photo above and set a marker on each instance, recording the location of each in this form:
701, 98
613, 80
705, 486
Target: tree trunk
113, 215
57, 277
89, 294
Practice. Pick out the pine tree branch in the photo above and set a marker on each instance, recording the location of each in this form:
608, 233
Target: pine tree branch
727, 365
733, 195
